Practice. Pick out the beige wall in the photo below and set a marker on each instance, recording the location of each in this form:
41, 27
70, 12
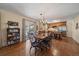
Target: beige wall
5, 17
0, 29
9, 16
71, 28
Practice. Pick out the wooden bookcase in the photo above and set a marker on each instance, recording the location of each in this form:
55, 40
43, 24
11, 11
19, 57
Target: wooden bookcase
13, 35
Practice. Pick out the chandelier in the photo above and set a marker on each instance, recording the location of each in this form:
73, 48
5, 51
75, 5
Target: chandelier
43, 20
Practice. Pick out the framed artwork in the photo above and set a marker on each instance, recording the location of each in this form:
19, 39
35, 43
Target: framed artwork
77, 25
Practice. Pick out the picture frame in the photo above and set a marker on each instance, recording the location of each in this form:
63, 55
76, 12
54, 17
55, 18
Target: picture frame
77, 25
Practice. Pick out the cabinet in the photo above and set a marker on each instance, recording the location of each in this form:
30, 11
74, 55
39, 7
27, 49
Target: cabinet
13, 35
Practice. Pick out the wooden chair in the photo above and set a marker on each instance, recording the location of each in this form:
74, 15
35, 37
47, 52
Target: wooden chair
46, 42
34, 43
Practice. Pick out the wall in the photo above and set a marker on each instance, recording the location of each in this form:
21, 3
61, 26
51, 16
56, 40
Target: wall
5, 17
0, 29
71, 28
9, 16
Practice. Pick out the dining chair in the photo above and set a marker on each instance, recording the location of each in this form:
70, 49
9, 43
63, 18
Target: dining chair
34, 43
46, 42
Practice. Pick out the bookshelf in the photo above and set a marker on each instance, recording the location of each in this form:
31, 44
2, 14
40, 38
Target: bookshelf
13, 33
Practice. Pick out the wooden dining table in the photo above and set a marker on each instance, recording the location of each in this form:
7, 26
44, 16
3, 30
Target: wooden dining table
40, 37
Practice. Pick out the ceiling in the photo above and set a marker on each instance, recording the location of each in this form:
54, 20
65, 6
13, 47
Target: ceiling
50, 11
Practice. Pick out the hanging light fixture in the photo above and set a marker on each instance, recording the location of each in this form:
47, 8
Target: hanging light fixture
43, 20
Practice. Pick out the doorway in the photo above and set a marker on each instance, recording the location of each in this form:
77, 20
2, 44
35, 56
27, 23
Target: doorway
28, 26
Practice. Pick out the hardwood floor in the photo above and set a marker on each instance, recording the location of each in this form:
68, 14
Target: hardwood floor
64, 47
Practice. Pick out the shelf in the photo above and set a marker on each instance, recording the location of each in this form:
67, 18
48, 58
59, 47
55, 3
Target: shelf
13, 34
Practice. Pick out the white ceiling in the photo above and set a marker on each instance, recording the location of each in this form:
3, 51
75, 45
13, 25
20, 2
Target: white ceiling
49, 10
